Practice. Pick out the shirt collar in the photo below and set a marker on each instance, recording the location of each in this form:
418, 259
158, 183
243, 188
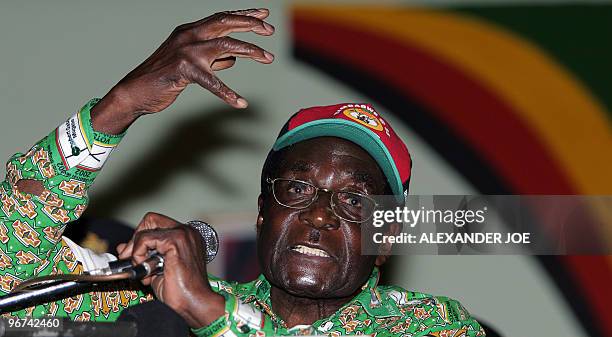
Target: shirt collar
373, 302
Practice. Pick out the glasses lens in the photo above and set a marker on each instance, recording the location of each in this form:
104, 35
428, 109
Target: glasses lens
293, 193
353, 206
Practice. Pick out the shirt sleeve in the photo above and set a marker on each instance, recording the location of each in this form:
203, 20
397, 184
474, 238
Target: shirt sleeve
222, 325
240, 319
66, 162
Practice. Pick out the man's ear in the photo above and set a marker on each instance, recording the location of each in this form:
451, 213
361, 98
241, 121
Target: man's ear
384, 250
260, 219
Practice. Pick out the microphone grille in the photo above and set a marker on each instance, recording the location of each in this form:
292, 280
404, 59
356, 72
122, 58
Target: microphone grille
210, 237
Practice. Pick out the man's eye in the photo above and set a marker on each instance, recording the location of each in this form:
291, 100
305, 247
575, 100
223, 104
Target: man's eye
350, 199
355, 202
295, 189
298, 188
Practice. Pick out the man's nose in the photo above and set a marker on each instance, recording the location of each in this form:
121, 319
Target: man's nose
320, 214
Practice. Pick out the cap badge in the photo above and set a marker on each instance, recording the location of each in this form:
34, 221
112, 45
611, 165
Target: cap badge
363, 117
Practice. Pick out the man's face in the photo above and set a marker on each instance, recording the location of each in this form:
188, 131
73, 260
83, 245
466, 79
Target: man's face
329, 163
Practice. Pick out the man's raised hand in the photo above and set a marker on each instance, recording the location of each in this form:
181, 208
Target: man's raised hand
190, 55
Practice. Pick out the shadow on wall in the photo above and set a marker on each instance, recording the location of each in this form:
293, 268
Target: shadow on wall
186, 148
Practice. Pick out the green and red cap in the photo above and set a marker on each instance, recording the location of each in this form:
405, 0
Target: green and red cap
360, 124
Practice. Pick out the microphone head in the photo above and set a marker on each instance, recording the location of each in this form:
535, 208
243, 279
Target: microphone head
210, 237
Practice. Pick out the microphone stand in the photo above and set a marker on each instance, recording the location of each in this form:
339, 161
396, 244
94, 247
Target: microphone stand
54, 292
46, 290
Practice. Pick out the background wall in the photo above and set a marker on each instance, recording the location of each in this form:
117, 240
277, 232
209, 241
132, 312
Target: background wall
201, 159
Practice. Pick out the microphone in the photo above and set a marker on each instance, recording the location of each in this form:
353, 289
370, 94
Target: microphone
53, 290
155, 262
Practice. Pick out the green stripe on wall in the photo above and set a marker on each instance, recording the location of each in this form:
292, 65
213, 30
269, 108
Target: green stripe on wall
577, 36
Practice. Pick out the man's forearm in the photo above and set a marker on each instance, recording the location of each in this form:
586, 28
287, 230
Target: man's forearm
111, 115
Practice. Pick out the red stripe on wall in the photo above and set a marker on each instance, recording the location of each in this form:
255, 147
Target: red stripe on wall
471, 110
594, 276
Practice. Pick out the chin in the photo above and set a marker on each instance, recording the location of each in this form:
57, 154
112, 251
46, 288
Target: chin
307, 287
304, 281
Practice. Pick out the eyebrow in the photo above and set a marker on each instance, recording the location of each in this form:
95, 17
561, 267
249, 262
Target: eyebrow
363, 177
301, 166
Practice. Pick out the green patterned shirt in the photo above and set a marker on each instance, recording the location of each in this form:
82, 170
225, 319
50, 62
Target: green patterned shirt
375, 311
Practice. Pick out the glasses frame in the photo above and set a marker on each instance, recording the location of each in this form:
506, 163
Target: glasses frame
316, 196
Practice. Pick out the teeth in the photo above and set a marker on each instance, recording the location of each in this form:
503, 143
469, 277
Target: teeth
310, 251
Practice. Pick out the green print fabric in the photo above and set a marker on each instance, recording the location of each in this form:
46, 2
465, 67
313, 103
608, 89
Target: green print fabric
375, 311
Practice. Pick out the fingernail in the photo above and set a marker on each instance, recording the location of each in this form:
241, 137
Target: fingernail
269, 56
268, 26
241, 103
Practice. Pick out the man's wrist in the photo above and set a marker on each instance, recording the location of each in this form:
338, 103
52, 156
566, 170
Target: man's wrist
219, 324
205, 310
111, 115
78, 145
213, 329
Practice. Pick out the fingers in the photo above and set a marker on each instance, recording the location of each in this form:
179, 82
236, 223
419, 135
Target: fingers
151, 220
121, 247
223, 24
228, 47
224, 63
147, 241
181, 248
221, 49
260, 13
126, 251
212, 83
195, 50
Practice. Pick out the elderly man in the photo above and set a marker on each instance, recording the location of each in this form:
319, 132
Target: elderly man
316, 194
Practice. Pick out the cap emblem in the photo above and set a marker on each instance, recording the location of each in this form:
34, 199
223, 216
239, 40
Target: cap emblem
363, 117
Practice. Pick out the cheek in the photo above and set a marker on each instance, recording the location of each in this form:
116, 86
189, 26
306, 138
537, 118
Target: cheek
359, 265
352, 240
273, 234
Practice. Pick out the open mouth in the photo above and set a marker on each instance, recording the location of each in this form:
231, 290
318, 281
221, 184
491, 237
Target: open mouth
309, 251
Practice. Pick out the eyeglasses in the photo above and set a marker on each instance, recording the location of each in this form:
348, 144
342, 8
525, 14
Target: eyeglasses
297, 194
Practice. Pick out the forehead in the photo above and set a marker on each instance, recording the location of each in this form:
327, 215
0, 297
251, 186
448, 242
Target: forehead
331, 156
